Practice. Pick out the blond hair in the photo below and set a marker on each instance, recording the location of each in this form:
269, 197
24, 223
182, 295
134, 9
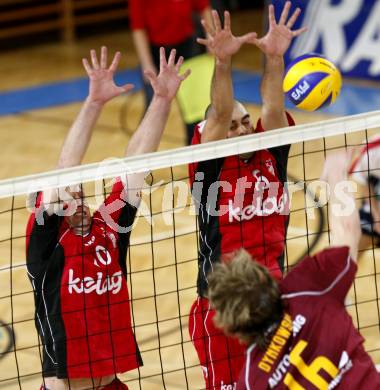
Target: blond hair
246, 299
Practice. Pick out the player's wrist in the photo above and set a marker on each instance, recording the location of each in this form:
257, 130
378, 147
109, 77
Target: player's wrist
95, 102
162, 100
277, 59
223, 62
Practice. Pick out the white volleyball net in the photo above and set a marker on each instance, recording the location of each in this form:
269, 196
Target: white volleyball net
162, 260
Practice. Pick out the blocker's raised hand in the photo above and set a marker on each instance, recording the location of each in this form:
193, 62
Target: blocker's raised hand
168, 80
337, 163
102, 85
279, 36
220, 41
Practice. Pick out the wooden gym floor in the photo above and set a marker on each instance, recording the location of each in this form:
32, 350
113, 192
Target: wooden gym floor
31, 143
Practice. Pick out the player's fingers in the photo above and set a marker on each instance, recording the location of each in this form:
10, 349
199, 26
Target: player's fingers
204, 42
295, 33
150, 75
115, 62
103, 57
179, 63
216, 20
171, 59
293, 18
227, 20
285, 13
94, 59
126, 88
185, 75
271, 17
86, 66
249, 38
257, 42
208, 29
163, 62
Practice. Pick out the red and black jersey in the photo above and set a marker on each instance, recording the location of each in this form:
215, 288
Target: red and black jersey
241, 204
316, 345
81, 296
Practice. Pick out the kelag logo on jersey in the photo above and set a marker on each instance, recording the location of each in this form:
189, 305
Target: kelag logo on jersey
101, 284
347, 32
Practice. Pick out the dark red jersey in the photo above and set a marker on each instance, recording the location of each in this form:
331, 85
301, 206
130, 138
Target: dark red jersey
316, 345
241, 204
167, 22
82, 302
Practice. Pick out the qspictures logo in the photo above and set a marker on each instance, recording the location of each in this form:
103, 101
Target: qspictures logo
267, 198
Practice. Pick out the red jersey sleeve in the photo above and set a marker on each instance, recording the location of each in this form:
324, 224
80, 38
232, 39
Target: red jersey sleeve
116, 211
280, 153
260, 129
136, 14
208, 170
32, 218
330, 272
200, 5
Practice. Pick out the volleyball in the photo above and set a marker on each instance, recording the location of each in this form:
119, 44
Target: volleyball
312, 82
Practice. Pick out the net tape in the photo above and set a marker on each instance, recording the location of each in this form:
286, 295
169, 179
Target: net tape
185, 155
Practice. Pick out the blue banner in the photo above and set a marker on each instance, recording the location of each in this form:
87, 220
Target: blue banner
347, 32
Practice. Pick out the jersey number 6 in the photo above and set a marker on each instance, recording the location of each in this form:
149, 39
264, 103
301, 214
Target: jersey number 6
309, 372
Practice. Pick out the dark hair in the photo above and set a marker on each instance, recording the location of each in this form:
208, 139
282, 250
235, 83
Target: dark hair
246, 298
